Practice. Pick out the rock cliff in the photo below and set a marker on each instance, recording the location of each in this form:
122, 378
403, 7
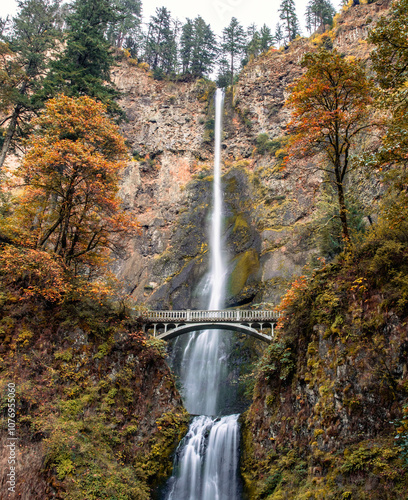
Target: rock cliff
168, 183
329, 393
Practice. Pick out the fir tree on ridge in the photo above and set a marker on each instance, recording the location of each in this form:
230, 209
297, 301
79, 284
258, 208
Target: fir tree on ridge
84, 67
287, 13
25, 49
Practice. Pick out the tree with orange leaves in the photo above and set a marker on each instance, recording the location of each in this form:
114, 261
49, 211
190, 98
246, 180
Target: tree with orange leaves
331, 104
70, 205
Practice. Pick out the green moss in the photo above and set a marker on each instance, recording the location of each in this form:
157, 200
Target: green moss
245, 264
240, 223
157, 463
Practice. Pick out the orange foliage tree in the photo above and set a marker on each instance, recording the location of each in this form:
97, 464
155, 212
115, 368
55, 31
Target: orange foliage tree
331, 104
70, 205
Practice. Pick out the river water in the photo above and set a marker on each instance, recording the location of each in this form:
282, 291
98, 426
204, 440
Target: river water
206, 462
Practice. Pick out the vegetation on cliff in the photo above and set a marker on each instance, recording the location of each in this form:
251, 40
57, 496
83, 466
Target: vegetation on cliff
328, 420
334, 380
97, 411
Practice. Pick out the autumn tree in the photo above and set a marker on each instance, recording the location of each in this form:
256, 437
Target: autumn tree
70, 206
24, 55
331, 103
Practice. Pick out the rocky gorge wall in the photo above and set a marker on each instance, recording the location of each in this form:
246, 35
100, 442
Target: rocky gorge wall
168, 182
330, 390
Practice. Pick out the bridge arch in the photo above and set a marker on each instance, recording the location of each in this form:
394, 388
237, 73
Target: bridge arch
194, 327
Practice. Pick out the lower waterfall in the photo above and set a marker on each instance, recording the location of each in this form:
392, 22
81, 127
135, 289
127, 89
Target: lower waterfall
207, 462
207, 459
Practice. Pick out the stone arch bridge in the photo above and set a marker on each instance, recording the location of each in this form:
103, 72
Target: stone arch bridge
167, 325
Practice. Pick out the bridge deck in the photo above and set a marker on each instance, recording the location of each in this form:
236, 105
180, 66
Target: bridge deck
222, 316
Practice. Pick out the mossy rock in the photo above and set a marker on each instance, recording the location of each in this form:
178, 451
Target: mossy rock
245, 265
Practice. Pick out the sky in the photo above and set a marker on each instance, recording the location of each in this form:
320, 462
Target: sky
217, 13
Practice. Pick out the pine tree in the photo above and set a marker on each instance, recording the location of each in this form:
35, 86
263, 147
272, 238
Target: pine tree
287, 13
161, 46
266, 38
25, 50
198, 48
233, 44
186, 45
253, 48
84, 68
279, 36
128, 25
205, 48
319, 13
224, 76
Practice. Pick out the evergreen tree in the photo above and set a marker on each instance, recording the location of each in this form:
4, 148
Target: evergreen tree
224, 75
26, 49
161, 46
390, 62
186, 45
279, 36
205, 48
319, 13
287, 13
253, 48
128, 25
198, 47
233, 44
266, 38
84, 67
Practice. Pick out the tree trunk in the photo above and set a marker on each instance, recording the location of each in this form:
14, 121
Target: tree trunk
343, 214
9, 135
232, 69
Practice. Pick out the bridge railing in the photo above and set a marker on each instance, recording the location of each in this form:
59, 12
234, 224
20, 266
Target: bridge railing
227, 315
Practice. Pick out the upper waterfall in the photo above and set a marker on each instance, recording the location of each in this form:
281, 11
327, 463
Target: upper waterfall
217, 262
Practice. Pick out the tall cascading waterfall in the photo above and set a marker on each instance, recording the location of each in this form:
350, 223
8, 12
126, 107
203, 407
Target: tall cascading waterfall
206, 464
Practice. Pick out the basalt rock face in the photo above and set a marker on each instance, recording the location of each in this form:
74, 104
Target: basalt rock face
168, 183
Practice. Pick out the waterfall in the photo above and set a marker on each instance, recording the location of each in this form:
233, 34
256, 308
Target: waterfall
206, 464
